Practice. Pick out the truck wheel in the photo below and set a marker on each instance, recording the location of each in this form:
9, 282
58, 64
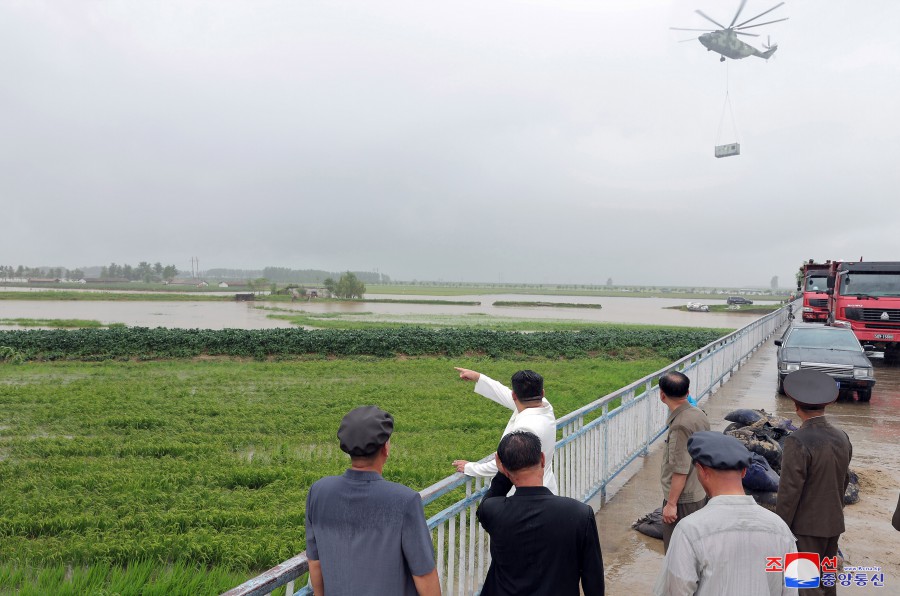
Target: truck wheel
864, 395
891, 355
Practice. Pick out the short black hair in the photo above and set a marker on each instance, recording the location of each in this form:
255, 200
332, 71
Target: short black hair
518, 450
675, 384
527, 385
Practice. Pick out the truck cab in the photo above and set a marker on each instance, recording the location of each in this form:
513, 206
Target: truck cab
865, 297
814, 285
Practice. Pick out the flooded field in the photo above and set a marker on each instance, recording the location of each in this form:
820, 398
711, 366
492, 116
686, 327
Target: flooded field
241, 315
633, 560
186, 315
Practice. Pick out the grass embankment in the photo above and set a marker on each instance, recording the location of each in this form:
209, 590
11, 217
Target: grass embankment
608, 341
56, 323
202, 467
546, 304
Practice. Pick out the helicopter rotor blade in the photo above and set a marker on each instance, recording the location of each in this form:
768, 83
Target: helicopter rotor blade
683, 29
710, 19
687, 40
761, 24
747, 34
738, 13
759, 15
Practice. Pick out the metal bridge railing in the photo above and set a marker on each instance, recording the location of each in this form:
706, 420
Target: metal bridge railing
597, 442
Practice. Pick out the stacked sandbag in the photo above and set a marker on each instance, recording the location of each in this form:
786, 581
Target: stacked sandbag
763, 434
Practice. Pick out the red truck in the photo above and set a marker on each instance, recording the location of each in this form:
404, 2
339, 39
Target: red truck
865, 297
813, 283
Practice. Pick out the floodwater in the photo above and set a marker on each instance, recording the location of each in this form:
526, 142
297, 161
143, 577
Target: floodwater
633, 560
186, 315
242, 315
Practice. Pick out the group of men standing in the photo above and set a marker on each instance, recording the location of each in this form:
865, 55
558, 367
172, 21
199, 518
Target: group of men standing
714, 548
366, 535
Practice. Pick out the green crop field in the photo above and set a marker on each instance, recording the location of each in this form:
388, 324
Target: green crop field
190, 475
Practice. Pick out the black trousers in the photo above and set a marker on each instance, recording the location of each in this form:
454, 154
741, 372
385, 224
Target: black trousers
826, 547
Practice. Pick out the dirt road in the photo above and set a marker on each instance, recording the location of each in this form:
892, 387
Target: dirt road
633, 560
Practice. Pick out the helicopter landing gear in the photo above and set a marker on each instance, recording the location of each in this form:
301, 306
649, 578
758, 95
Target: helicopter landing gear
722, 59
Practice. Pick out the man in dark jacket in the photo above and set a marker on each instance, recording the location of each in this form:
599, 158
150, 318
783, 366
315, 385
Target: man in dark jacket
815, 470
541, 544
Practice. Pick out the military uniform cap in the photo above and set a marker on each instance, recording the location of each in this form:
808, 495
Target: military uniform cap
811, 388
364, 430
716, 450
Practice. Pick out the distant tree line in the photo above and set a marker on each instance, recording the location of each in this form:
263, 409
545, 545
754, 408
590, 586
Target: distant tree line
22, 272
143, 272
287, 275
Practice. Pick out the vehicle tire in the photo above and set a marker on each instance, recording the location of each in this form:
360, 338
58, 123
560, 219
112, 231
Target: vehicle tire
864, 395
780, 385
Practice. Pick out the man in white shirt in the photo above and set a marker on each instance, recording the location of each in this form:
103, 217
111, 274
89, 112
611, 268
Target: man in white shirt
724, 547
531, 412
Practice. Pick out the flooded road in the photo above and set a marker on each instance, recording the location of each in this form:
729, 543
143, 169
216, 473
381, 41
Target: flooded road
633, 560
242, 315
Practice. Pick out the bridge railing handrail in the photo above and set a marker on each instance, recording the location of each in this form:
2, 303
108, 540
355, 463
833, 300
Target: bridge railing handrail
589, 441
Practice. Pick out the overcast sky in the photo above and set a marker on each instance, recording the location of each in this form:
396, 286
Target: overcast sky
547, 141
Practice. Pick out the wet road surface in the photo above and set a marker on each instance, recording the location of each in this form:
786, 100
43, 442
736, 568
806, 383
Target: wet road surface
633, 560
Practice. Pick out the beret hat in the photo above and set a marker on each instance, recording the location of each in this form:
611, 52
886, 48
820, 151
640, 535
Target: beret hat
364, 430
718, 451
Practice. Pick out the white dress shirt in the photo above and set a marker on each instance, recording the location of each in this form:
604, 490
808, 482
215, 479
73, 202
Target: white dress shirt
541, 421
722, 549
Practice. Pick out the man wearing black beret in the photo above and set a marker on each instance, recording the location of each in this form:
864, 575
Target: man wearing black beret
815, 469
365, 535
723, 547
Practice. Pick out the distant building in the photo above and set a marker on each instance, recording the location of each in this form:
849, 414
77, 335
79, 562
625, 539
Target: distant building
238, 283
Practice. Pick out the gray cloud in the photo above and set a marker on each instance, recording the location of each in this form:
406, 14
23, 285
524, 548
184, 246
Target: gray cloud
526, 141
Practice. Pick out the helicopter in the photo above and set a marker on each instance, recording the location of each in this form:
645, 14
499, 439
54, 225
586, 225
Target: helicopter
724, 41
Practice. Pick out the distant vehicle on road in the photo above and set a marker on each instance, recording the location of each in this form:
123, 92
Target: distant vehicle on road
738, 300
831, 350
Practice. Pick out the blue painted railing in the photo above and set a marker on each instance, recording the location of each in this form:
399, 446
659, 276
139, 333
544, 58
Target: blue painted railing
596, 443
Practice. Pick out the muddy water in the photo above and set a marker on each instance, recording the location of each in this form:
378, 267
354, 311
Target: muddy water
651, 311
633, 560
188, 315
221, 315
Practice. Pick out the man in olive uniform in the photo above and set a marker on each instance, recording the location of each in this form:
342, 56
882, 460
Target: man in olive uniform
815, 470
682, 492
